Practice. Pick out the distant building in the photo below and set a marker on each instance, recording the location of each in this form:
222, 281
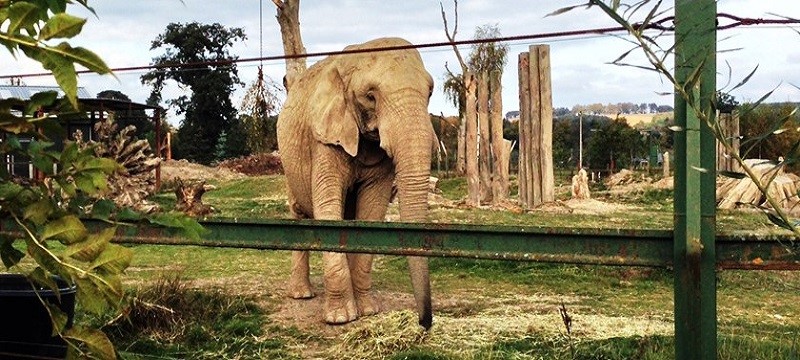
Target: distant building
512, 116
93, 110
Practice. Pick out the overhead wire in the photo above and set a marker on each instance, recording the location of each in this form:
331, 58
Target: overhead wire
661, 24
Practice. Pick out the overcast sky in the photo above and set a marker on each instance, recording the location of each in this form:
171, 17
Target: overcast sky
123, 31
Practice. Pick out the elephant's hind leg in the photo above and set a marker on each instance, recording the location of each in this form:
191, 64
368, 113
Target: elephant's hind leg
299, 286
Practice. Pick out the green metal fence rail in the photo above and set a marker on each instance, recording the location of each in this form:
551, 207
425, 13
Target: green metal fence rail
622, 247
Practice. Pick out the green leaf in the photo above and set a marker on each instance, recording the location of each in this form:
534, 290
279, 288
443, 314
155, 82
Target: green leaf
68, 229
96, 342
88, 59
9, 190
114, 260
42, 278
70, 153
9, 254
46, 261
179, 222
39, 100
105, 165
102, 209
732, 174
39, 211
22, 14
90, 296
778, 221
61, 26
94, 244
57, 317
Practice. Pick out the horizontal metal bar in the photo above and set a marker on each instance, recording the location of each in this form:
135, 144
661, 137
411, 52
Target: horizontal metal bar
627, 247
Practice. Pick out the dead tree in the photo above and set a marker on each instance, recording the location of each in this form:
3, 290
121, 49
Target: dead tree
470, 116
289, 20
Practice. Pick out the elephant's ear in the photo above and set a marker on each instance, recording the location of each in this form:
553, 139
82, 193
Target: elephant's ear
333, 120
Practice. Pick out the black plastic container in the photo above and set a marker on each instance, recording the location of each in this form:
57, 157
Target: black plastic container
25, 326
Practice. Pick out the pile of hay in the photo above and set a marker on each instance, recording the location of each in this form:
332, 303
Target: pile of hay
380, 336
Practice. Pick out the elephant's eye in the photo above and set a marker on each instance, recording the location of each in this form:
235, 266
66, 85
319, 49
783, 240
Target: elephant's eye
370, 96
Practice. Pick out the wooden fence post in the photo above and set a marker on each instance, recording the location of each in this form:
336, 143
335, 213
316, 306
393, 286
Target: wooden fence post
729, 122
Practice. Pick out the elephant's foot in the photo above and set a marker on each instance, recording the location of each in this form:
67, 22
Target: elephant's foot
299, 288
340, 311
367, 304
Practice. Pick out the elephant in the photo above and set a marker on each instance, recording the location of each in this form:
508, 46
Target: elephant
351, 125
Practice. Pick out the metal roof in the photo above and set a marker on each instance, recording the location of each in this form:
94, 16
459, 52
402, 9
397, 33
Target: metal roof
25, 92
87, 101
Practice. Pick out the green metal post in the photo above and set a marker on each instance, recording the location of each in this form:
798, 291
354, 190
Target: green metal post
695, 173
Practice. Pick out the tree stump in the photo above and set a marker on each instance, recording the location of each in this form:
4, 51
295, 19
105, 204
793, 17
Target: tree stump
189, 196
580, 186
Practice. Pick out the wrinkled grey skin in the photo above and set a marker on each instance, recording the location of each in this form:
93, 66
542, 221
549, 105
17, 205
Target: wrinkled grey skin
351, 125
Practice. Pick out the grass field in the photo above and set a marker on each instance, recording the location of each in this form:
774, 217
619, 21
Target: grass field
207, 303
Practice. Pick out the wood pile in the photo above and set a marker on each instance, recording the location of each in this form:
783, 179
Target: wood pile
734, 193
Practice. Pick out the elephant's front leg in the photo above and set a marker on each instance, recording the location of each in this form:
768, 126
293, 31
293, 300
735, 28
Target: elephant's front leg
371, 204
299, 286
332, 176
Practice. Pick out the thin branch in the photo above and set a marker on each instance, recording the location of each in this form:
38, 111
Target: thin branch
452, 38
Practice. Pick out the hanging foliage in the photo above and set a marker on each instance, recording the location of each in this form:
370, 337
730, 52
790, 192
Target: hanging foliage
259, 109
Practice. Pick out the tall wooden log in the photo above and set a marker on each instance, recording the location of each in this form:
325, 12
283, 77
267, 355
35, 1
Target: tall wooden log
534, 128
484, 137
500, 163
537, 184
471, 140
524, 137
545, 123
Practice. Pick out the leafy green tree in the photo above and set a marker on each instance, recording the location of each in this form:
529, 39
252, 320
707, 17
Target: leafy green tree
138, 118
769, 131
197, 56
614, 142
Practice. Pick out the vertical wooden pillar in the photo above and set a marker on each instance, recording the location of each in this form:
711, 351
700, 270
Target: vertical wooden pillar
500, 166
536, 127
471, 141
545, 123
484, 138
523, 177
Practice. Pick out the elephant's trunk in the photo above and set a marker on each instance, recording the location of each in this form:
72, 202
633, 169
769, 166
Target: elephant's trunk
410, 147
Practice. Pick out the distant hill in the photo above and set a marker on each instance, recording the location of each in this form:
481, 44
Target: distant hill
636, 119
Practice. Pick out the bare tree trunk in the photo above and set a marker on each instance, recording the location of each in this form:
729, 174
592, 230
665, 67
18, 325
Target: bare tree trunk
545, 124
471, 141
500, 168
484, 156
523, 173
460, 157
289, 20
